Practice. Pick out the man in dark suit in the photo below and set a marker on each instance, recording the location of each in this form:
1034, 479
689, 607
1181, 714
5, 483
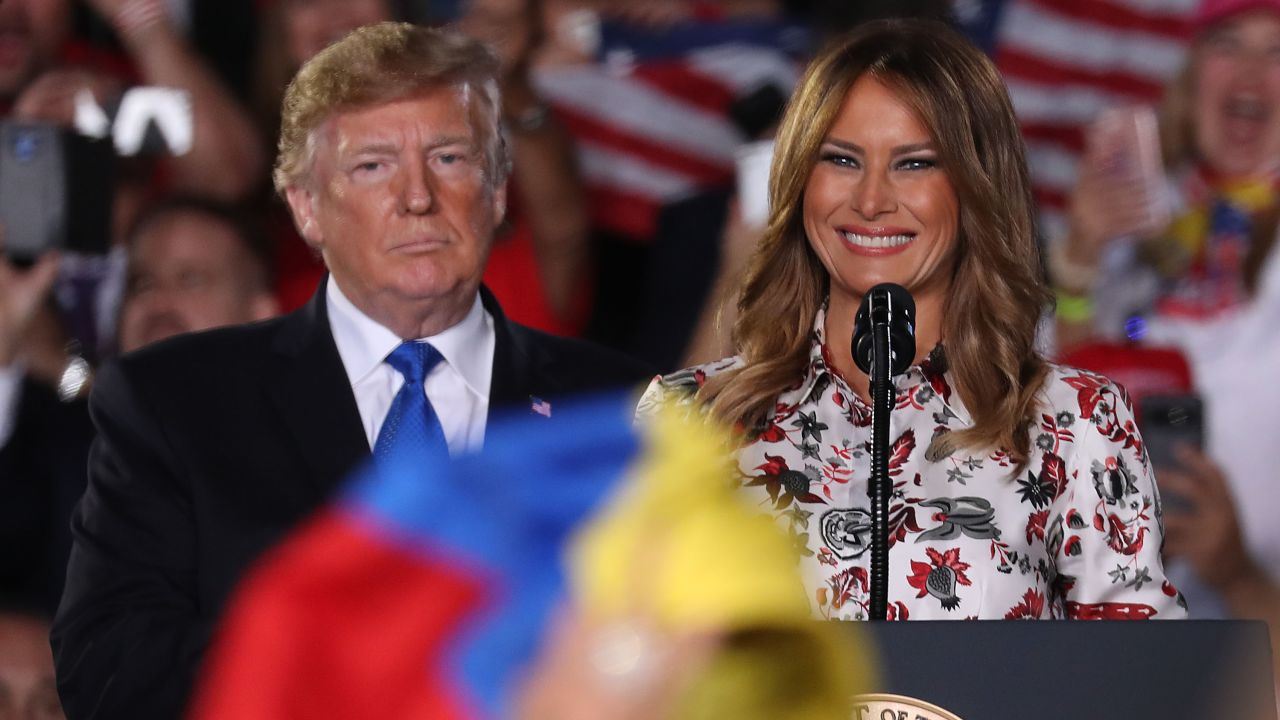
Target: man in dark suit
212, 446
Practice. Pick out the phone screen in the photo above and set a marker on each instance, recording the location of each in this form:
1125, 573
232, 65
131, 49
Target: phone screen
1168, 422
32, 189
56, 191
1130, 138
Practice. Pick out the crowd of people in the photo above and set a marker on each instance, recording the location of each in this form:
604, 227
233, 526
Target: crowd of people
502, 203
1175, 253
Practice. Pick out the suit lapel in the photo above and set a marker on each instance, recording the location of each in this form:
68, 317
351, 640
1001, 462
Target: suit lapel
311, 391
513, 366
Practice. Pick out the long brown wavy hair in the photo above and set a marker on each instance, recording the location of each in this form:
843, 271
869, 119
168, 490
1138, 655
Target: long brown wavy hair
997, 292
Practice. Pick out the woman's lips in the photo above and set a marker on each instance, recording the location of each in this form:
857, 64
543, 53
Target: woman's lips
876, 242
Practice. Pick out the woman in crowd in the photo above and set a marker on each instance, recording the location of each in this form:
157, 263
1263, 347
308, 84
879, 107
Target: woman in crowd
1188, 249
1020, 487
1204, 282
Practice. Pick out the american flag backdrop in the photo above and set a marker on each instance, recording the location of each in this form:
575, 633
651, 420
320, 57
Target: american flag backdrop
650, 118
1066, 60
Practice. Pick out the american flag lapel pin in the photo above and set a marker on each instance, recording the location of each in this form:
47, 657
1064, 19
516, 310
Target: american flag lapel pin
540, 406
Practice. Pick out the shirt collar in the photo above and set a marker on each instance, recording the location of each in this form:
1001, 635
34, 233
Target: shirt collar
931, 371
363, 343
468, 348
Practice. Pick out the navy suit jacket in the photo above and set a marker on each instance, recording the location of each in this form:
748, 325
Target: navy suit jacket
210, 448
42, 475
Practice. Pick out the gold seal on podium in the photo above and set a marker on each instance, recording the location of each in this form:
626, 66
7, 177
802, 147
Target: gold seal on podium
883, 706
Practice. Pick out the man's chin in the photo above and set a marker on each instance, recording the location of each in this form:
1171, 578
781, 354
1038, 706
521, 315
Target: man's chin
426, 280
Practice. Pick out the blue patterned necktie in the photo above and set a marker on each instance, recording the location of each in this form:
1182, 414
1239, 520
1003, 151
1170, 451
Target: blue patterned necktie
411, 424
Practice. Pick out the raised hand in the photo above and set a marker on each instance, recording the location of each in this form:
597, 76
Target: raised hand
1203, 527
22, 292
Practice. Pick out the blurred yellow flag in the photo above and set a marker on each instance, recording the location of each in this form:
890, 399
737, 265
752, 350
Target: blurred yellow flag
681, 550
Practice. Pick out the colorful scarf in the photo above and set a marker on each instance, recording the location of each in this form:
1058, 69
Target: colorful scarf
1204, 251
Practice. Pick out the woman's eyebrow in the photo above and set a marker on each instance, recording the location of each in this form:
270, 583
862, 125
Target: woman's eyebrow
899, 150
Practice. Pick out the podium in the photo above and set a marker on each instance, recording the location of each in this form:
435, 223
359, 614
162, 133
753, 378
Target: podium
1069, 670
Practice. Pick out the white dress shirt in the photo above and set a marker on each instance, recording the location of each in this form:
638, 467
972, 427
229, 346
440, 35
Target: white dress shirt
10, 389
458, 387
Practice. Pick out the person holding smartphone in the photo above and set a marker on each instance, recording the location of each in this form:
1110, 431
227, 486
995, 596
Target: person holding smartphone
1184, 206
1176, 248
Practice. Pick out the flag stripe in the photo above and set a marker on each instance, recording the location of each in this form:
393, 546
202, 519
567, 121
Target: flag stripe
1155, 19
640, 111
1051, 199
1037, 103
672, 78
621, 212
1086, 45
605, 167
1032, 68
1066, 137
616, 143
1052, 166
658, 128
745, 67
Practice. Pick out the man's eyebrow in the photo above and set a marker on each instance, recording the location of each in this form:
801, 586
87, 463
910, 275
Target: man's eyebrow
376, 147
442, 140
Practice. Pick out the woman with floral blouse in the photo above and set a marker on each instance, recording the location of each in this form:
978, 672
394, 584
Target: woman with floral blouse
1021, 489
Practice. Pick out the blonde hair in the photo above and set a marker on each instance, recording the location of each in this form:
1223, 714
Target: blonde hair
381, 63
1178, 148
997, 292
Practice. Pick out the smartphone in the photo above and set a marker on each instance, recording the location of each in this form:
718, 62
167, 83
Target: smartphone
1168, 422
1128, 139
56, 191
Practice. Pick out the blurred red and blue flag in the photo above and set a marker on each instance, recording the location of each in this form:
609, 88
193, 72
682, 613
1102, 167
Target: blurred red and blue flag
422, 591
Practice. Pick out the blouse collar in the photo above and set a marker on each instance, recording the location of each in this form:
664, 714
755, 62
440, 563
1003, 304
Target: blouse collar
821, 373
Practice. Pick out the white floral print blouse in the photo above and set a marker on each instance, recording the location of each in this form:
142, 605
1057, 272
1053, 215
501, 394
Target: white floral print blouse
1076, 534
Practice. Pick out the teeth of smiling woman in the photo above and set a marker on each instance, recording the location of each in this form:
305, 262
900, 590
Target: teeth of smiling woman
870, 241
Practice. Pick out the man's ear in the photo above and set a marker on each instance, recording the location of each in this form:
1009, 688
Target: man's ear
499, 204
302, 205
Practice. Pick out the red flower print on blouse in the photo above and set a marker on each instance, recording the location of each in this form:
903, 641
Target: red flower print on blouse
1031, 607
1036, 524
939, 576
784, 485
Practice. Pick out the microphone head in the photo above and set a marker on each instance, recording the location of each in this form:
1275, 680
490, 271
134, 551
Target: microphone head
891, 304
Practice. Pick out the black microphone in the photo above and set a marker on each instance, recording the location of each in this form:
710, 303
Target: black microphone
889, 304
883, 344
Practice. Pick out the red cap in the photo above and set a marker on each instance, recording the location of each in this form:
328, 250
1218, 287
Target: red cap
1212, 12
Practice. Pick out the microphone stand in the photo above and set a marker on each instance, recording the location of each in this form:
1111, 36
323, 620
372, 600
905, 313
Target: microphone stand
883, 346
880, 488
